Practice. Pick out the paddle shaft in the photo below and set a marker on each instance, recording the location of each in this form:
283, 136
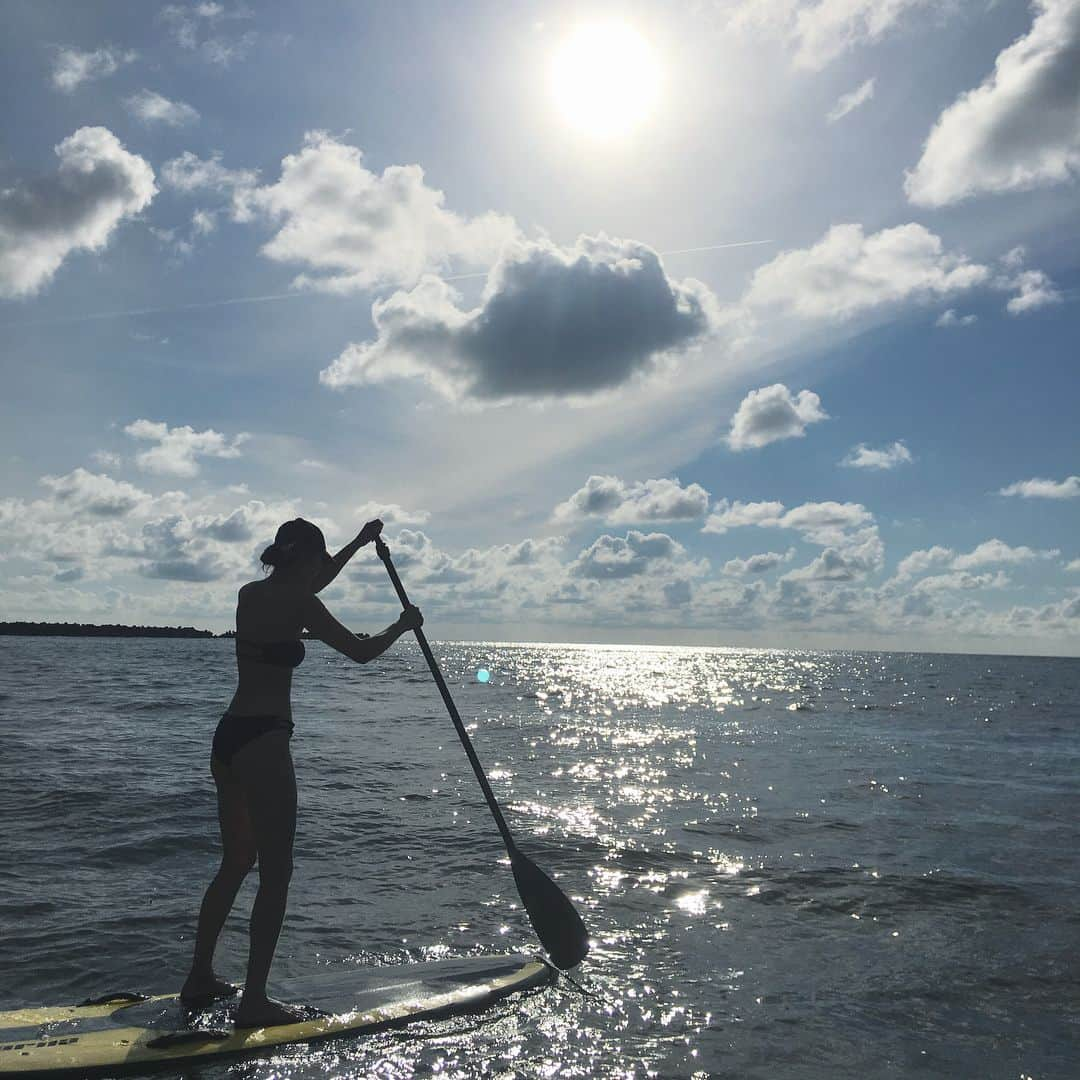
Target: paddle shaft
451, 708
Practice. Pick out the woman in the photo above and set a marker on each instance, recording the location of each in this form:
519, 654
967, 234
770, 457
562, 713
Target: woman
250, 762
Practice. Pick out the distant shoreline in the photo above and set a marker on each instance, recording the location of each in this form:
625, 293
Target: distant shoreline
53, 629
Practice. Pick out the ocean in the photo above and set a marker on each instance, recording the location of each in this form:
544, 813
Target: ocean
791, 863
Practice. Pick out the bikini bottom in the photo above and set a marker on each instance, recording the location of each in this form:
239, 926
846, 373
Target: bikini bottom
234, 732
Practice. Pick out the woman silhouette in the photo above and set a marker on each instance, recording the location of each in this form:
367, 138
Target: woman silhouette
250, 761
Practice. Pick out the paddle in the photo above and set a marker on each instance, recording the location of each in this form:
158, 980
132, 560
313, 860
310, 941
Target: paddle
557, 924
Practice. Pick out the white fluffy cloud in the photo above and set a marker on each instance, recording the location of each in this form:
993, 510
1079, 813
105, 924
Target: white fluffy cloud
734, 515
758, 564
150, 107
613, 557
618, 503
1036, 290
1037, 488
390, 513
97, 185
72, 67
95, 493
997, 551
849, 102
888, 457
847, 273
552, 322
177, 448
772, 413
353, 229
189, 172
1020, 128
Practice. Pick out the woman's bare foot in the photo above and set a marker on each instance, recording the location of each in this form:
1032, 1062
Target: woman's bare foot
264, 1012
199, 989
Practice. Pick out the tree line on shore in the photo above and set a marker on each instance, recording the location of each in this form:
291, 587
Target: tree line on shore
52, 629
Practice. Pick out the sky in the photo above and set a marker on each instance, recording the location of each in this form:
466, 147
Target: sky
733, 323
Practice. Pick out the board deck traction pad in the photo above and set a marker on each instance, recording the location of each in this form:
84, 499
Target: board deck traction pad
113, 1033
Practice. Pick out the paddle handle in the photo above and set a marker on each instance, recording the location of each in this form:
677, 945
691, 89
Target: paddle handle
451, 708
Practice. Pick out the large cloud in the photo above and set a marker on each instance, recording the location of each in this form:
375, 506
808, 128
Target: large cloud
847, 273
552, 322
95, 493
97, 185
997, 551
618, 503
354, 229
772, 413
1020, 128
613, 557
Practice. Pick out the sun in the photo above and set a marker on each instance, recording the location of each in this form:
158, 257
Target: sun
605, 79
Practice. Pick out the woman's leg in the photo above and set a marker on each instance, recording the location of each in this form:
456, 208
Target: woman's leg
265, 768
237, 859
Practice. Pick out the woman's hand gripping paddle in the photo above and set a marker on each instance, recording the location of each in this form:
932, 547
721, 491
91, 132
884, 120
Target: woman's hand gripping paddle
557, 924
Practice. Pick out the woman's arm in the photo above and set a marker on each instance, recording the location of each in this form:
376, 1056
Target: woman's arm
337, 564
326, 628
338, 561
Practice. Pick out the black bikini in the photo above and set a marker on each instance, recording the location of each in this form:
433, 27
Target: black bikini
235, 731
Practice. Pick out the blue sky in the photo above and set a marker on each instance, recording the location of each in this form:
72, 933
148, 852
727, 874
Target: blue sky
716, 323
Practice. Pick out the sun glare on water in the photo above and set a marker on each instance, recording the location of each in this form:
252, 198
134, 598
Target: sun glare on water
605, 79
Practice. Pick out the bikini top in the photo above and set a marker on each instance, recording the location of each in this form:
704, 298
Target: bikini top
278, 653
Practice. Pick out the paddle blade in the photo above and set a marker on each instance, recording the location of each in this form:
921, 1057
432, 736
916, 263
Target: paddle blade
556, 922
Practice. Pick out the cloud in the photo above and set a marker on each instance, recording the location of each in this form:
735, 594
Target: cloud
918, 562
1036, 291
846, 103
823, 30
150, 107
72, 67
553, 322
198, 27
757, 564
355, 229
862, 457
771, 413
862, 554
390, 514
950, 318
177, 448
828, 524
1020, 128
175, 553
618, 503
960, 581
734, 515
997, 551
613, 557
1074, 564
95, 493
1037, 488
188, 172
97, 185
846, 274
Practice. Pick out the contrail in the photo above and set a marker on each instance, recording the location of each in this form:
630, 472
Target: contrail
293, 295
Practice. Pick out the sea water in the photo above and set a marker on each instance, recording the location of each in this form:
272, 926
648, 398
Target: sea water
791, 864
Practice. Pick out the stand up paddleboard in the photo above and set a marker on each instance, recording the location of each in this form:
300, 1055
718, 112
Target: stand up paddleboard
135, 1032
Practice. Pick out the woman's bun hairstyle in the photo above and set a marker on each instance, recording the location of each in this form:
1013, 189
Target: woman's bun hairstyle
294, 540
